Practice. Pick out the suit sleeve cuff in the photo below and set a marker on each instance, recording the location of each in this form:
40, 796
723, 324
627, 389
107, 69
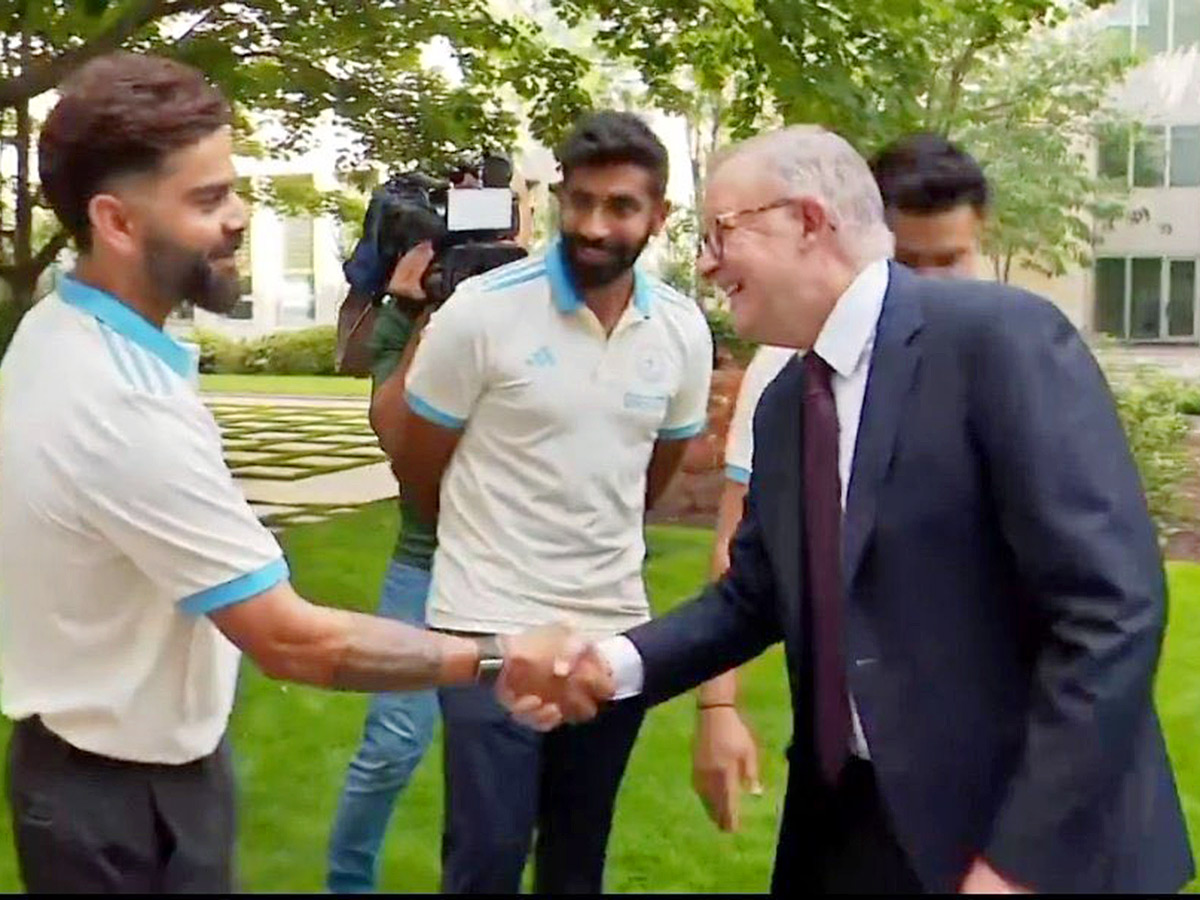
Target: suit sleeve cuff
625, 663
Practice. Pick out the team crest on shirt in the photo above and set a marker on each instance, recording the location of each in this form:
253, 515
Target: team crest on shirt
651, 366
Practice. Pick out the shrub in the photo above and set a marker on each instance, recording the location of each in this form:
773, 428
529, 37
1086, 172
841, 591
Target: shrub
1189, 401
1149, 406
307, 352
721, 324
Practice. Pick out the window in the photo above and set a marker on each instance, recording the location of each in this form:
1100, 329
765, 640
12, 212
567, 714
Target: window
1154, 26
1161, 155
1150, 157
298, 303
1185, 154
1153, 18
1187, 23
1110, 297
1120, 25
1145, 298
1181, 304
1114, 153
244, 307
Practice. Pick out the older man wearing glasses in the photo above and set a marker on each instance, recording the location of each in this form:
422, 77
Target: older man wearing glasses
946, 530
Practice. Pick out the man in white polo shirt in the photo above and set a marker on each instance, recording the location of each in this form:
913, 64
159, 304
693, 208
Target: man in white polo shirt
549, 403
133, 568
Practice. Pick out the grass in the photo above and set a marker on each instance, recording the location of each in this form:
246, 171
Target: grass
293, 744
287, 385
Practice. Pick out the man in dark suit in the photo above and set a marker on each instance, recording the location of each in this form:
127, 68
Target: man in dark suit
946, 529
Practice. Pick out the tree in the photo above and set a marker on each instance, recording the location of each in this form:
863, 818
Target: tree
1038, 110
696, 58
350, 62
1010, 79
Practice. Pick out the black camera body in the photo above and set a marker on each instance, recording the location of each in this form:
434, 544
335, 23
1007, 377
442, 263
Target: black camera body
471, 228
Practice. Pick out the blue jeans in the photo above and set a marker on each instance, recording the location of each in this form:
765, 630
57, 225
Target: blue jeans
398, 730
504, 782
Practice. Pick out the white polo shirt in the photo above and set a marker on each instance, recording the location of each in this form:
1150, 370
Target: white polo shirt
542, 505
739, 443
120, 528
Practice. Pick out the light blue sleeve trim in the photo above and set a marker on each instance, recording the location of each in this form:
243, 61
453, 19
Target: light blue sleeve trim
738, 474
683, 432
241, 588
432, 413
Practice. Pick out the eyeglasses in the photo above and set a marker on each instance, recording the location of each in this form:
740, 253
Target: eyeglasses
713, 241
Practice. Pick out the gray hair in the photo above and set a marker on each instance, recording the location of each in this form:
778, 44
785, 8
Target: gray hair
810, 160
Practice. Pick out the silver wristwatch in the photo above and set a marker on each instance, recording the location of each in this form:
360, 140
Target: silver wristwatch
491, 659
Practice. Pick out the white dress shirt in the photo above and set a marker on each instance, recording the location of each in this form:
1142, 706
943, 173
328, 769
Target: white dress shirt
845, 342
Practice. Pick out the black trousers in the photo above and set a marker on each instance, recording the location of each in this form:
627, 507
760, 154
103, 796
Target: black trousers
504, 781
89, 824
839, 840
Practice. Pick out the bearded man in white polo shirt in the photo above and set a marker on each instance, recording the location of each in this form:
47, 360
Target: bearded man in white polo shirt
548, 405
133, 568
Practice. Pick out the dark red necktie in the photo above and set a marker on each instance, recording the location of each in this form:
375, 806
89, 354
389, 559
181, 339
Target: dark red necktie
823, 559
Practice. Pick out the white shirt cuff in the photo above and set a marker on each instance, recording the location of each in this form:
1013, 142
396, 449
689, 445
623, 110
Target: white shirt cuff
625, 663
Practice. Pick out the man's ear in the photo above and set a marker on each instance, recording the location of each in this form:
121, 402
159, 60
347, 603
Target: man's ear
660, 216
812, 214
112, 225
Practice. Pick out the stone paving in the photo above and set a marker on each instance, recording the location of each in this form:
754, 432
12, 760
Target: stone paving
305, 459
301, 461
1180, 361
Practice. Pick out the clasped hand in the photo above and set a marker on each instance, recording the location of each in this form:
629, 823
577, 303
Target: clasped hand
552, 675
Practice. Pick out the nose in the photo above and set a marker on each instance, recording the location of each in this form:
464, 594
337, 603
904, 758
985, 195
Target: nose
593, 225
237, 214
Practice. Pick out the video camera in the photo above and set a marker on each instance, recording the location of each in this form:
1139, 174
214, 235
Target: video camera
471, 227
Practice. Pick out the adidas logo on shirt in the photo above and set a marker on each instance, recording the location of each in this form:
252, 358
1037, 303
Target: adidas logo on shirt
542, 358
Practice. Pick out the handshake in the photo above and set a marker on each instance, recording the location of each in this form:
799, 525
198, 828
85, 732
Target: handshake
551, 675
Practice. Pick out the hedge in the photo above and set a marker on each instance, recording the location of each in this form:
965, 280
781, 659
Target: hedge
310, 351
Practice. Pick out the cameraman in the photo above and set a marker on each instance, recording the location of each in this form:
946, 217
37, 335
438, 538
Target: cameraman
399, 726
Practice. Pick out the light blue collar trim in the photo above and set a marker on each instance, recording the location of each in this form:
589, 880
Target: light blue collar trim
122, 319
568, 300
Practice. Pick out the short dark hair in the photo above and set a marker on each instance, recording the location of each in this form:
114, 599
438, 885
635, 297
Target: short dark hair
925, 173
607, 137
120, 114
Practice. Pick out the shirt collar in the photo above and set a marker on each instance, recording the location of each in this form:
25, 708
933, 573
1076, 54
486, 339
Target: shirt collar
568, 300
125, 321
851, 325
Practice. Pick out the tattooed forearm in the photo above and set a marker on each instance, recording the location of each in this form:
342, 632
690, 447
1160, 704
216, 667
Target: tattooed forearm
379, 654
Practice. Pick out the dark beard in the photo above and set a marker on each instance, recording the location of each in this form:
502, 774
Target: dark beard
593, 275
178, 273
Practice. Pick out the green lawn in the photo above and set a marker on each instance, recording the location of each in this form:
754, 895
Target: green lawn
287, 385
293, 744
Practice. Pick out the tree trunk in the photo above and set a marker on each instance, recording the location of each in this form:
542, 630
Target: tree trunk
23, 236
24, 274
23, 289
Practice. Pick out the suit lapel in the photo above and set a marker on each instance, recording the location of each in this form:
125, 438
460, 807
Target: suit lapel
789, 502
894, 363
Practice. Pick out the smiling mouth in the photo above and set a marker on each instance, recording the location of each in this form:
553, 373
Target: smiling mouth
593, 254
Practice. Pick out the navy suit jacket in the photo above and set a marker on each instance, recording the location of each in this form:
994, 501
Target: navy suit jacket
1005, 600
